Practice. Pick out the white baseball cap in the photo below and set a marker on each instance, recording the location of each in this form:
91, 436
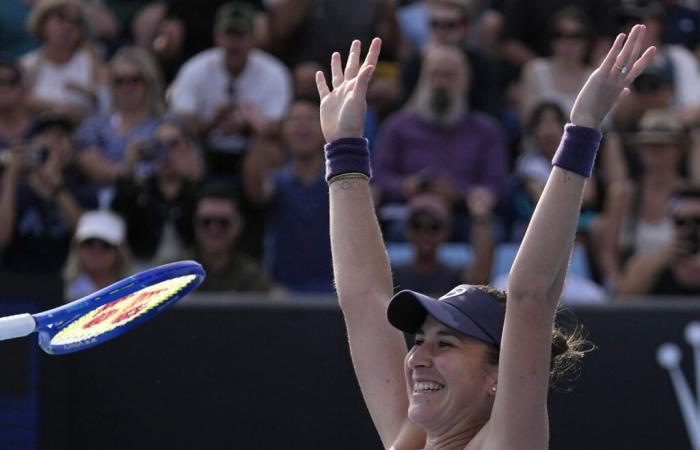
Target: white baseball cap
103, 225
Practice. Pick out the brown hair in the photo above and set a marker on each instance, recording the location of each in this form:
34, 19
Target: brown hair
569, 345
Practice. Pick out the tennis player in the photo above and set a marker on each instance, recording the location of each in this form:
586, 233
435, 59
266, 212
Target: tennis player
477, 376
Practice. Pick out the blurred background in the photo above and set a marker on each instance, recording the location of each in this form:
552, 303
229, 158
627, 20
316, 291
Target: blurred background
134, 133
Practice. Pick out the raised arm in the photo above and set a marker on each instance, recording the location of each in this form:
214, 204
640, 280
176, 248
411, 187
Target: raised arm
360, 264
537, 275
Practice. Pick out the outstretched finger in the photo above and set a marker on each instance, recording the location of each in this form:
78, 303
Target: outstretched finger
360, 88
373, 53
610, 58
353, 64
321, 85
641, 64
625, 57
336, 70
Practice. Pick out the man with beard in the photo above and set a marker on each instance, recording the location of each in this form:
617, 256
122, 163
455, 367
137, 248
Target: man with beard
436, 143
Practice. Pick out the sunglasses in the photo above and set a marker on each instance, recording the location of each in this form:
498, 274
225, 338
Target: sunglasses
96, 243
219, 221
445, 24
67, 17
422, 225
124, 80
686, 221
575, 35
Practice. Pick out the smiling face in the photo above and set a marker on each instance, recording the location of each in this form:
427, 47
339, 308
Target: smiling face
448, 379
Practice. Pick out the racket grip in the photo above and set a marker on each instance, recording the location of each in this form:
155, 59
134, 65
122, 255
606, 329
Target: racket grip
16, 326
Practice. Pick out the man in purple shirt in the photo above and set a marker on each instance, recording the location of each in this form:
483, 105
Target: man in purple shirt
435, 143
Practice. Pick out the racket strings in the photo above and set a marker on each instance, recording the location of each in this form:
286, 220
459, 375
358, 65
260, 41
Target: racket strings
120, 312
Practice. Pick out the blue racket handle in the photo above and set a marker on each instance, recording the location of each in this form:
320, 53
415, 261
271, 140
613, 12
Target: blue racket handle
16, 326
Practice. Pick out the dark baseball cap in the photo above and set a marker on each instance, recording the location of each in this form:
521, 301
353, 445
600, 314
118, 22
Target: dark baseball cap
237, 17
466, 309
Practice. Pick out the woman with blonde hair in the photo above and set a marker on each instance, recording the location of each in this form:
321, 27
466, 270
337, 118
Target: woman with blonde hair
98, 256
136, 89
64, 72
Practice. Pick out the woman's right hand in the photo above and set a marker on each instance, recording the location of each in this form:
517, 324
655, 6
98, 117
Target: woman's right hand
343, 109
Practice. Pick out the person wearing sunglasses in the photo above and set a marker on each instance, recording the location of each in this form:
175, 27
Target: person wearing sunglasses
136, 96
217, 228
559, 77
674, 269
15, 117
64, 71
427, 227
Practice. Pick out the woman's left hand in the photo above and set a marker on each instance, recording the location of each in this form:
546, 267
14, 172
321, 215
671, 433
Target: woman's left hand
611, 80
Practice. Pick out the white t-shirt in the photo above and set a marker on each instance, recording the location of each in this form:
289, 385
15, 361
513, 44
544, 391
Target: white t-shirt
203, 84
49, 78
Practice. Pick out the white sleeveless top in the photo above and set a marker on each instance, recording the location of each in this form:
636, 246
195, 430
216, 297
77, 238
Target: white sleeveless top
49, 78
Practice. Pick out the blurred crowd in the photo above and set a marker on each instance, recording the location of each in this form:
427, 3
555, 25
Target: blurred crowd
134, 133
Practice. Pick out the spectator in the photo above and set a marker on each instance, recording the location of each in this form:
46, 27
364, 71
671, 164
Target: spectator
64, 72
41, 199
217, 227
543, 133
310, 30
157, 206
15, 118
673, 269
296, 197
559, 77
660, 146
526, 32
449, 25
437, 141
98, 256
213, 89
104, 140
427, 228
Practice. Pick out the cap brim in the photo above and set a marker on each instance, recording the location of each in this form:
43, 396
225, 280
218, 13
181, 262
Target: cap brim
408, 309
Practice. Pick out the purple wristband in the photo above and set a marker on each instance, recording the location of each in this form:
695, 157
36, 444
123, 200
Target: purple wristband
347, 155
577, 150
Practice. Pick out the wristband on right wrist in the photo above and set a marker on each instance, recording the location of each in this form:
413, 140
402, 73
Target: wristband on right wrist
578, 149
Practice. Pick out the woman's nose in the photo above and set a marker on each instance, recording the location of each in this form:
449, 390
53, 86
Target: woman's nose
421, 356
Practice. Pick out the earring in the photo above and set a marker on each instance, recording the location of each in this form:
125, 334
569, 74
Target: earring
493, 388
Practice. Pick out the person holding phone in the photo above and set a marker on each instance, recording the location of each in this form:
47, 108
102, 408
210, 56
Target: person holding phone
478, 372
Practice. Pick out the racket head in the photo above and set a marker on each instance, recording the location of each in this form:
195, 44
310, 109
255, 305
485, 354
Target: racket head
111, 311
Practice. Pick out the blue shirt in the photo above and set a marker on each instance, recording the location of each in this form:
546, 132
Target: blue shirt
297, 245
103, 132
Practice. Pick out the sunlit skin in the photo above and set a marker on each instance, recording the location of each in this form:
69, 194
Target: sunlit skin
457, 362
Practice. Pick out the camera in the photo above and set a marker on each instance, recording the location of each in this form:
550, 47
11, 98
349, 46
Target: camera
32, 156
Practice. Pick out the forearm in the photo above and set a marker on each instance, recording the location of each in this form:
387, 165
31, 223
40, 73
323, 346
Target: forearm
360, 263
640, 274
255, 183
97, 168
68, 207
7, 206
481, 238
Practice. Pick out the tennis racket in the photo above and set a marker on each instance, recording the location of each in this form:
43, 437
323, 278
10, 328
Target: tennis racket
108, 312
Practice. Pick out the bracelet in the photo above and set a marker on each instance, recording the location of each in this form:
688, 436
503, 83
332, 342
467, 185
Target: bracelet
347, 155
349, 176
578, 149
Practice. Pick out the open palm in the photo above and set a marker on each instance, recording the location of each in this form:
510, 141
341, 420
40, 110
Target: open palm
611, 80
343, 109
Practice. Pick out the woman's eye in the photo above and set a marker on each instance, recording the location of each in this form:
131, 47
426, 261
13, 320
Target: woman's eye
444, 344
417, 342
